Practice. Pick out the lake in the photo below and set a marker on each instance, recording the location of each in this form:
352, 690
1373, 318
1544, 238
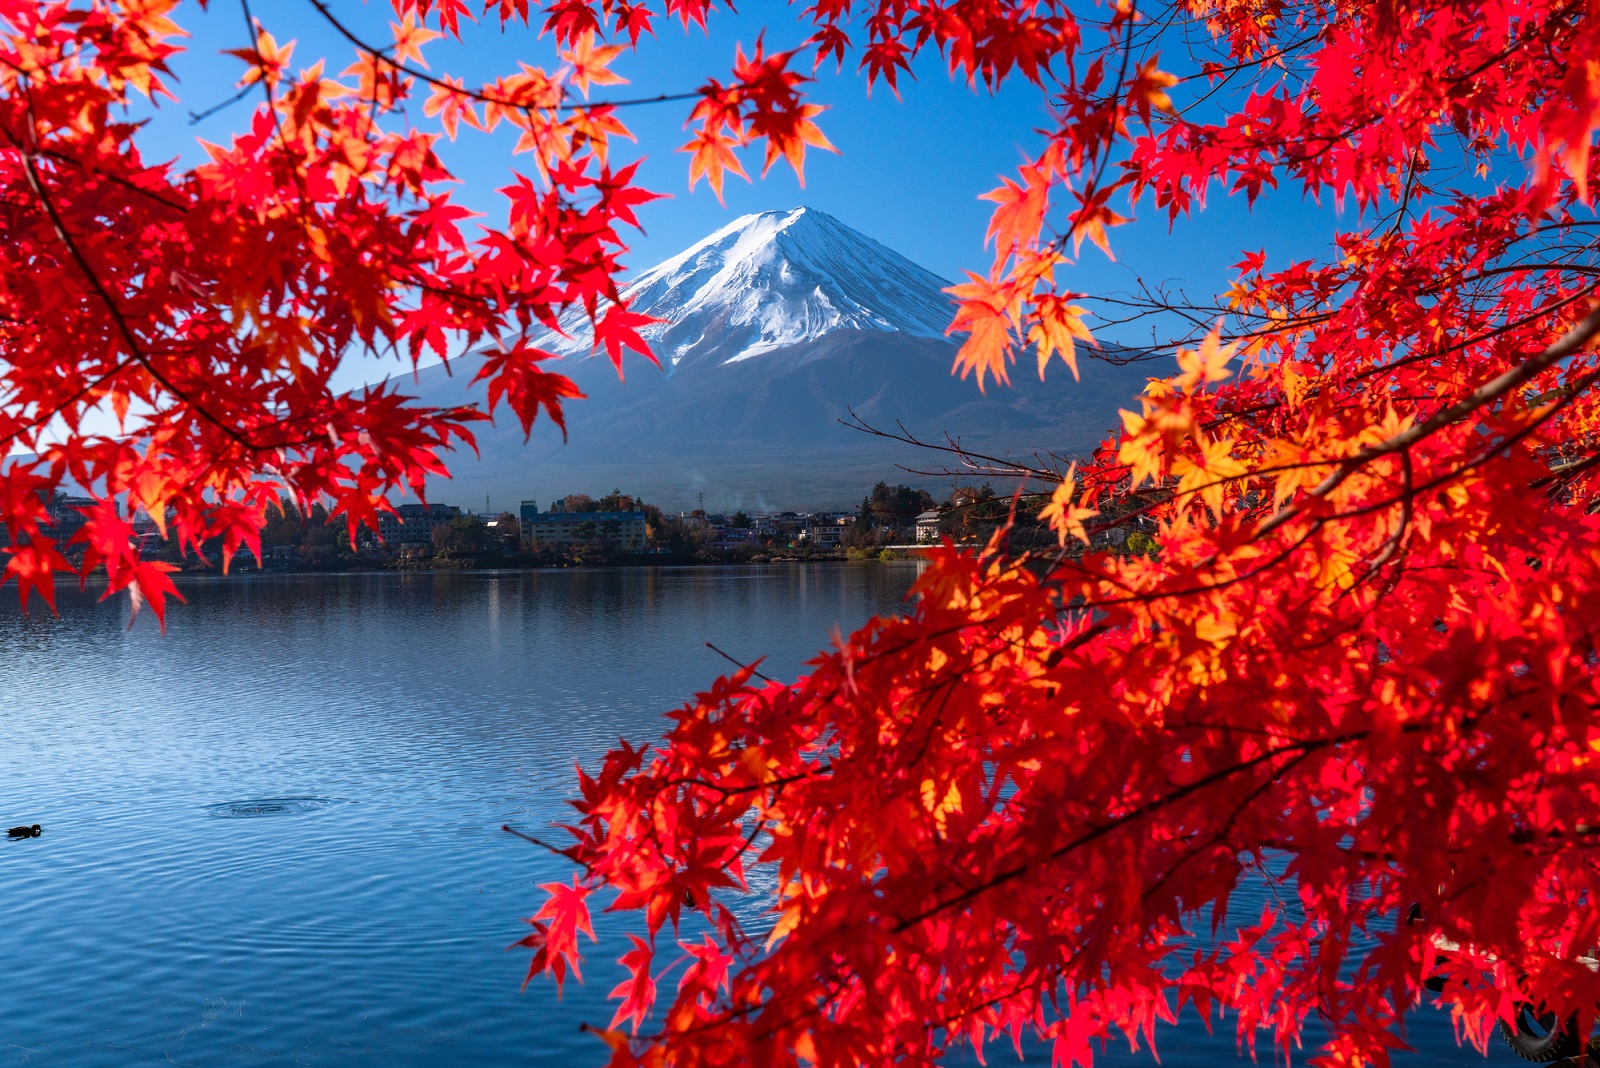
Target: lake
272, 836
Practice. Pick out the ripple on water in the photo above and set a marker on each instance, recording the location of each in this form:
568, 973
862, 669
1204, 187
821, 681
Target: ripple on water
269, 806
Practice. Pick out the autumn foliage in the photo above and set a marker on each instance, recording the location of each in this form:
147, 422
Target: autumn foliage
1360, 668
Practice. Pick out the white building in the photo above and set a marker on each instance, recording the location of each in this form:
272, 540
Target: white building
830, 536
626, 530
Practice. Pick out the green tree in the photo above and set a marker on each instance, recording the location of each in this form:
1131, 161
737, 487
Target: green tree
897, 506
465, 535
284, 526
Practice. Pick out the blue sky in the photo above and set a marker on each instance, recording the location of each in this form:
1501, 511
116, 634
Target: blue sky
908, 173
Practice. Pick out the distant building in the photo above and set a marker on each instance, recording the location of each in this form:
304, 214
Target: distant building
829, 536
65, 515
61, 521
145, 525
623, 529
732, 536
928, 526
788, 523
414, 524
508, 539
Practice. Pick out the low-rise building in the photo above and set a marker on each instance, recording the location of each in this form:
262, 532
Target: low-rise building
411, 526
827, 536
507, 535
626, 530
62, 520
66, 514
731, 536
928, 526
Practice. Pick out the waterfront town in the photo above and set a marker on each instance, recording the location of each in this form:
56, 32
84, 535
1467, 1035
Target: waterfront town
578, 529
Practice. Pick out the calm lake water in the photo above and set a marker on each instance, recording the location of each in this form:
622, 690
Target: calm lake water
272, 835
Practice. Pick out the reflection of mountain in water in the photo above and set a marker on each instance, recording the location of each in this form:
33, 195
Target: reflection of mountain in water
777, 325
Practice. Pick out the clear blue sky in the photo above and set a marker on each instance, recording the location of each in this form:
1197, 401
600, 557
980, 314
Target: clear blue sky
908, 173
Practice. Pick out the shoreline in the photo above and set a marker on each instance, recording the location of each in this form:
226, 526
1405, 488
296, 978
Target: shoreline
903, 556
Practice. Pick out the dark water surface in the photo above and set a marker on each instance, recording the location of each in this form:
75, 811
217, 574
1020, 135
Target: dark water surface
272, 836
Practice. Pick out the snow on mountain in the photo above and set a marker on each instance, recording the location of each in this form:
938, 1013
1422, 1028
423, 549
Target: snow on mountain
777, 327
771, 281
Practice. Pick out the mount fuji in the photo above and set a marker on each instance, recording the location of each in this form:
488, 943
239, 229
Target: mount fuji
775, 327
772, 281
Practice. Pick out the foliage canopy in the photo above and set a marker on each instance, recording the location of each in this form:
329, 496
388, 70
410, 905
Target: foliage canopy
1363, 661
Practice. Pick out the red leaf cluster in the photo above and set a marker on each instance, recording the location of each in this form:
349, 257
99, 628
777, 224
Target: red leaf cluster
209, 310
1352, 655
1353, 659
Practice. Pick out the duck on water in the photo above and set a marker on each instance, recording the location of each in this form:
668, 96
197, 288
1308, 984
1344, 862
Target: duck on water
25, 832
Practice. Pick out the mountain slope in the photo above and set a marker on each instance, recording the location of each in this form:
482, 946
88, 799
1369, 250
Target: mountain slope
778, 325
769, 281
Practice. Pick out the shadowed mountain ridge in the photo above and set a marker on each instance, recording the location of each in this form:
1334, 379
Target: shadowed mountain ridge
778, 325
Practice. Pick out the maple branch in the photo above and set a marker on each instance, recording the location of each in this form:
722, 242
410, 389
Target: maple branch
743, 666
1392, 544
88, 387
198, 117
1133, 815
1528, 836
570, 853
254, 28
1222, 833
1004, 468
1566, 472
123, 327
1584, 384
1262, 60
1561, 348
1499, 331
381, 55
1206, 587
1568, 344
1225, 418
62, 157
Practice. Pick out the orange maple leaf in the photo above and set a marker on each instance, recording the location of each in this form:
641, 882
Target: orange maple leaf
1019, 215
792, 145
409, 39
987, 311
1092, 218
713, 156
1056, 325
1062, 515
591, 65
1205, 365
267, 60
451, 107
1149, 90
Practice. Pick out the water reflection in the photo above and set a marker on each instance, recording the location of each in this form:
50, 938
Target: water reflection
376, 731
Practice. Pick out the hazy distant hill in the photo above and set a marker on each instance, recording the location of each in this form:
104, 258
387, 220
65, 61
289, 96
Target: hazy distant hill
777, 325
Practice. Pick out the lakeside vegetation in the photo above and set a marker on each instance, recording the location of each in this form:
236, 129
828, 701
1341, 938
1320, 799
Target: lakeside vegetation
885, 527
293, 541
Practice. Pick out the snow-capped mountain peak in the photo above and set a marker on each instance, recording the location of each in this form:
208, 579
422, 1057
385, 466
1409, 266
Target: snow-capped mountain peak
775, 279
